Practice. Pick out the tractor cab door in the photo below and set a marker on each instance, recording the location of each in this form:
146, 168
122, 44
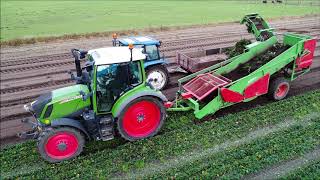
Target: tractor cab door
152, 52
114, 80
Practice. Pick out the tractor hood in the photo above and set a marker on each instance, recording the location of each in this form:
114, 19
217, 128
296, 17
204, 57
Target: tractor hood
60, 102
38, 105
66, 94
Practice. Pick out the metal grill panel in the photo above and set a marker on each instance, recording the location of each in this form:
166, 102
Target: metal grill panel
202, 85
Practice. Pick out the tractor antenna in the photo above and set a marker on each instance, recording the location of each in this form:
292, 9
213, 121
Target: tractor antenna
131, 47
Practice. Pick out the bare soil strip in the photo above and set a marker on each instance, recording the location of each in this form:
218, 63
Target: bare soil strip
285, 168
155, 168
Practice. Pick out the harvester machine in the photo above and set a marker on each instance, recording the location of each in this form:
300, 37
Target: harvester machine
265, 67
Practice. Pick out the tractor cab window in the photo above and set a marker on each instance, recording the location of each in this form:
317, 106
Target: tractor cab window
152, 52
114, 80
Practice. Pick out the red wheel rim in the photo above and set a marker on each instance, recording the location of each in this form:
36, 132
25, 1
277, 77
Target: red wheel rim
282, 90
61, 145
141, 119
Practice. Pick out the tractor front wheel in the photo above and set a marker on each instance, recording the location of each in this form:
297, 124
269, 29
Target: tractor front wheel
60, 144
158, 76
142, 118
279, 88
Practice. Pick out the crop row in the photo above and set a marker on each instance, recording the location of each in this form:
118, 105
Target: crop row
311, 171
181, 137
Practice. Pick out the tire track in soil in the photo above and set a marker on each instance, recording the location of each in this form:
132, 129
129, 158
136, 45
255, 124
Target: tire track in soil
48, 80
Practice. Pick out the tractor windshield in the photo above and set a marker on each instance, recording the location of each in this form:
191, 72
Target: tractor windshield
115, 79
152, 52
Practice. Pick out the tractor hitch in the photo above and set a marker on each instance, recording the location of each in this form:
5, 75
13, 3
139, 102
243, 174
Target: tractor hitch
33, 133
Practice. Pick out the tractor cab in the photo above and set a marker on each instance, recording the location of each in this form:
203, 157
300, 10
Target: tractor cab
150, 46
115, 74
154, 64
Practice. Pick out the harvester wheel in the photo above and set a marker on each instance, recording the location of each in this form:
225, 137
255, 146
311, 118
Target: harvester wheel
159, 75
141, 118
279, 88
60, 144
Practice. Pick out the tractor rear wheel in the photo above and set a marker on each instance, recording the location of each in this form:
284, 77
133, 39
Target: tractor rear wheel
279, 88
141, 118
158, 76
60, 144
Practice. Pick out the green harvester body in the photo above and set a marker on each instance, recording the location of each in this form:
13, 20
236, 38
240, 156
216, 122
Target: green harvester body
288, 57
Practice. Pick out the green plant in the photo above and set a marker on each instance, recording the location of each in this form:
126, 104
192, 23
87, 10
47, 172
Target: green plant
181, 137
238, 48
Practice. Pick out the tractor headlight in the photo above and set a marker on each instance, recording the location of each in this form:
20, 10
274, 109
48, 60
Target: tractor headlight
28, 108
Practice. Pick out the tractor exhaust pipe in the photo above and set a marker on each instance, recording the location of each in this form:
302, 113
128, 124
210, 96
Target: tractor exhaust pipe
76, 55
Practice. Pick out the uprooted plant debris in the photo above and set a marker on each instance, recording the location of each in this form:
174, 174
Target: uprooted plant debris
257, 62
238, 48
263, 58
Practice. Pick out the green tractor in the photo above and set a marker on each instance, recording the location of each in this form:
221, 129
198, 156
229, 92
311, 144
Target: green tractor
111, 96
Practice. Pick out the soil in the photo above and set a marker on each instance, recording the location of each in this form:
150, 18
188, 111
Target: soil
30, 70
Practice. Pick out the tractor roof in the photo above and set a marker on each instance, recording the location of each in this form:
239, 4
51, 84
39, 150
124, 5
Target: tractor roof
139, 40
112, 55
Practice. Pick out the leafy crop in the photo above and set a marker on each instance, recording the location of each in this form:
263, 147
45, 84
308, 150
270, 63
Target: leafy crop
311, 171
263, 58
238, 48
192, 150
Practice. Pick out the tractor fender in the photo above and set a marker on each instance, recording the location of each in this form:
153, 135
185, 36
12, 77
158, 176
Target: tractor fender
137, 95
71, 123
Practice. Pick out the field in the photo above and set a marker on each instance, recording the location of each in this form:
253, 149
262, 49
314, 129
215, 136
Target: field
242, 145
26, 19
260, 139
31, 70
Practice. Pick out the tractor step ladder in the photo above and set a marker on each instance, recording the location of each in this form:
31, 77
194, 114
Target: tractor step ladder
106, 128
204, 84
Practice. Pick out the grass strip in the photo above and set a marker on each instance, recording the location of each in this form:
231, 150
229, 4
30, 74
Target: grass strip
179, 136
33, 21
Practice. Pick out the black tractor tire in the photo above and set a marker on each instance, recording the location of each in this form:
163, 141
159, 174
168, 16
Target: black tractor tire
60, 144
278, 88
142, 118
163, 71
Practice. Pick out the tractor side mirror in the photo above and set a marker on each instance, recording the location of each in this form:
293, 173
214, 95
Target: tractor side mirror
147, 56
163, 57
84, 95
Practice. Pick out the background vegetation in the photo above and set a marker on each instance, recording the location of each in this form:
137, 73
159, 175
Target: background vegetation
26, 19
